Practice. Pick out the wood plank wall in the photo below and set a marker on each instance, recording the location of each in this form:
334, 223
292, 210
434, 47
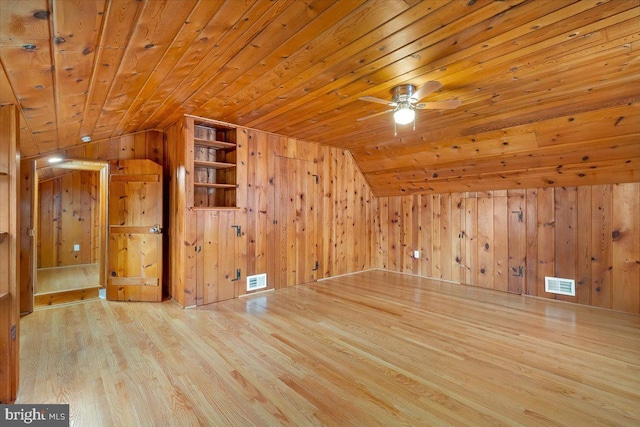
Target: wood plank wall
330, 222
473, 238
68, 216
344, 229
510, 240
143, 145
9, 253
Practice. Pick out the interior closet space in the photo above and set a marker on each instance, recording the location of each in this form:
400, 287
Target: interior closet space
69, 231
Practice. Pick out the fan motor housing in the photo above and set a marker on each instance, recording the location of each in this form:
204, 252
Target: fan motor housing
402, 93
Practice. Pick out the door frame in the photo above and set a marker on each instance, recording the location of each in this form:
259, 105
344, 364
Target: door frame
102, 167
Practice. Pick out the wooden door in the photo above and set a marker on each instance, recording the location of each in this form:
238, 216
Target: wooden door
134, 254
220, 245
296, 219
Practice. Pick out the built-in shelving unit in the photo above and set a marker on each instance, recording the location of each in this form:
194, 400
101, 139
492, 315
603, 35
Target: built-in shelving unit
207, 161
214, 163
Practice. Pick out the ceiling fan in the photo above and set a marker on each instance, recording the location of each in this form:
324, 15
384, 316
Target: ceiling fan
405, 101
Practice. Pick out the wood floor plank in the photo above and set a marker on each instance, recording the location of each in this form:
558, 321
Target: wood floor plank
68, 277
373, 348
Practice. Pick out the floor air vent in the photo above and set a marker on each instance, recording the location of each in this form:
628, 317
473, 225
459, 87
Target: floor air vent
556, 285
259, 281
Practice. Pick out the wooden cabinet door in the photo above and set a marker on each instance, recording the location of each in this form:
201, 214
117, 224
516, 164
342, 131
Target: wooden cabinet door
517, 235
296, 221
220, 248
134, 254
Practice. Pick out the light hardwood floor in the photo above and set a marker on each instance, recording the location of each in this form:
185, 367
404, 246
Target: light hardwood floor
374, 348
67, 278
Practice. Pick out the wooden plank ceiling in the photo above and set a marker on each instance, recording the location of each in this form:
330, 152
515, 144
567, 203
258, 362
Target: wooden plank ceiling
549, 88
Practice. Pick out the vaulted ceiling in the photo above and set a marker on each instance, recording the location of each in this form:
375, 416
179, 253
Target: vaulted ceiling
550, 89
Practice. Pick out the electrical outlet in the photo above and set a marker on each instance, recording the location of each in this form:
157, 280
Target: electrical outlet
416, 254
76, 248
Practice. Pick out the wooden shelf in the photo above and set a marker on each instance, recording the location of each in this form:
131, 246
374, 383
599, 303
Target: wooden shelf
214, 165
212, 158
214, 144
214, 185
3, 236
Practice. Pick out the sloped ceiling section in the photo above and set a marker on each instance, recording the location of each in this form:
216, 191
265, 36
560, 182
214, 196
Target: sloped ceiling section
550, 89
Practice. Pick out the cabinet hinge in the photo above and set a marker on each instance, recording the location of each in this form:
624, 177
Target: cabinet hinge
520, 215
519, 272
13, 332
317, 178
238, 230
317, 266
238, 274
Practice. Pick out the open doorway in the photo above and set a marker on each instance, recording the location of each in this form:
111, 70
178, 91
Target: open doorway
70, 210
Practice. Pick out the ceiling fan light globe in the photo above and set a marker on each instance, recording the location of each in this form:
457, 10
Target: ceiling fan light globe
404, 116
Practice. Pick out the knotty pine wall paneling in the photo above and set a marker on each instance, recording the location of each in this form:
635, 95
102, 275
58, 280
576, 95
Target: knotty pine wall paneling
341, 239
486, 247
257, 203
469, 235
500, 241
9, 253
601, 245
457, 228
566, 219
545, 241
531, 225
382, 236
590, 234
27, 181
583, 245
625, 236
49, 200
175, 166
516, 247
142, 145
299, 203
68, 216
295, 213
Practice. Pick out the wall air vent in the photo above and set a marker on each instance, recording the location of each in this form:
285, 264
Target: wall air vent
259, 281
557, 285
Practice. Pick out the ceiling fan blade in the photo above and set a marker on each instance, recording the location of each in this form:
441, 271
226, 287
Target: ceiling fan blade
378, 100
426, 89
374, 115
439, 105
